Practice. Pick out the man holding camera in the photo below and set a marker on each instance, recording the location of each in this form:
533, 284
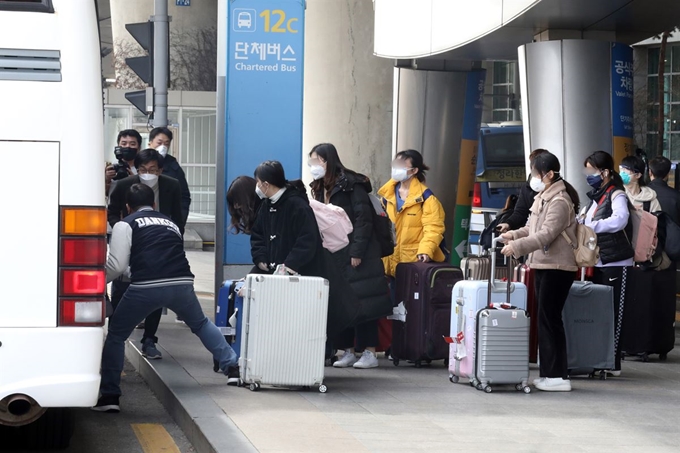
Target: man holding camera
128, 142
167, 196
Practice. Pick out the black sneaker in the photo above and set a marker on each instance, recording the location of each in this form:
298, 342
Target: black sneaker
233, 376
109, 404
149, 350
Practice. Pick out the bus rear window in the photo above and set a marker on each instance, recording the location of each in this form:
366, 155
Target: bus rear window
37, 6
504, 150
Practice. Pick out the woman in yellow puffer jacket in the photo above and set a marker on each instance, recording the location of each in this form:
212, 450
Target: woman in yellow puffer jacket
417, 214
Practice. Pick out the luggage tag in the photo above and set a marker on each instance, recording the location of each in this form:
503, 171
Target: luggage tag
399, 313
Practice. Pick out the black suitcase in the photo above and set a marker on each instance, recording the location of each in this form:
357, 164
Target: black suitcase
648, 325
425, 290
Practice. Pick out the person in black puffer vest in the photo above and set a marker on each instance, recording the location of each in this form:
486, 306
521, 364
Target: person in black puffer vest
608, 216
360, 261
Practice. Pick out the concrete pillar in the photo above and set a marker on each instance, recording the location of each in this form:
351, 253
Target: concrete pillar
348, 91
577, 98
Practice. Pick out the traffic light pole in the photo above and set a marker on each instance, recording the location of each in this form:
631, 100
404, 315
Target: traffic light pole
161, 55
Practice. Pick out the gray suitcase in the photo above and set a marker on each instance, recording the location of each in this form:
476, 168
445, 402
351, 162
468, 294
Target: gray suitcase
502, 349
502, 342
588, 318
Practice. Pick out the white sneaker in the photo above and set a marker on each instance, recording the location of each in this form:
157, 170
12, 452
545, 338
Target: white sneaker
367, 360
554, 385
348, 358
536, 381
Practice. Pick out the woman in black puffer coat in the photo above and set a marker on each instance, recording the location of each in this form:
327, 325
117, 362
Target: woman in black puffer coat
360, 261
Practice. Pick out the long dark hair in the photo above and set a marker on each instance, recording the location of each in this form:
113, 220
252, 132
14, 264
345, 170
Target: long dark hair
271, 171
242, 203
416, 162
334, 168
546, 162
604, 161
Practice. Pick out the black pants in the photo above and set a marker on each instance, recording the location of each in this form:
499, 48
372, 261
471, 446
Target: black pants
366, 336
552, 289
151, 323
616, 278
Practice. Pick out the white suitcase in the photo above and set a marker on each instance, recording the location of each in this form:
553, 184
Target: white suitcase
283, 337
468, 298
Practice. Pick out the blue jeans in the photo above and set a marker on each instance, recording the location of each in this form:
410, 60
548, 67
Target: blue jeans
137, 304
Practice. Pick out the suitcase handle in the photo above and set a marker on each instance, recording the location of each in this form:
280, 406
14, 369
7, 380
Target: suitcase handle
509, 287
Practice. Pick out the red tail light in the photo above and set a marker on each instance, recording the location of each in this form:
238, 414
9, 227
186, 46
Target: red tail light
83, 282
82, 257
477, 196
83, 252
86, 312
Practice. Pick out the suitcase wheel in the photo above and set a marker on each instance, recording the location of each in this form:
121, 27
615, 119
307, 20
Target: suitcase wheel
527, 389
323, 388
645, 357
419, 364
663, 356
395, 362
454, 379
254, 387
488, 389
479, 386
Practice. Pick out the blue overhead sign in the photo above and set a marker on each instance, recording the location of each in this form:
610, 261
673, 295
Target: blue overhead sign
264, 95
182, 2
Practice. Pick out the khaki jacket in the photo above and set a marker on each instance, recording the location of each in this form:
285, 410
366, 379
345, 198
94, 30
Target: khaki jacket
551, 214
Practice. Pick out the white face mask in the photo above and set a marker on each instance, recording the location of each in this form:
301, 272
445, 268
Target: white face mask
149, 179
537, 184
259, 192
400, 174
162, 150
317, 171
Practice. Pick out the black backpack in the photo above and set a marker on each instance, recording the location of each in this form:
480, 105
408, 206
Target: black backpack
383, 227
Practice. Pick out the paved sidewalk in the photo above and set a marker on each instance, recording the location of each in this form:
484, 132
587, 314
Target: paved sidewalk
408, 409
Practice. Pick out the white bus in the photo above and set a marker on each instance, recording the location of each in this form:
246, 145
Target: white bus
53, 227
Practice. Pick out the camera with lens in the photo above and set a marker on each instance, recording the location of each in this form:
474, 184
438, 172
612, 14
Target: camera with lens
123, 155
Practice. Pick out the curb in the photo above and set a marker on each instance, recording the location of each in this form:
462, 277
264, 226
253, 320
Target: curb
204, 423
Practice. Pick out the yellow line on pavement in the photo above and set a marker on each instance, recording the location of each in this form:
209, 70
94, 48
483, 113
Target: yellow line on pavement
154, 438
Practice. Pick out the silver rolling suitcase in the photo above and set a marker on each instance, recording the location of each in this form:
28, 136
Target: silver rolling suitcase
502, 346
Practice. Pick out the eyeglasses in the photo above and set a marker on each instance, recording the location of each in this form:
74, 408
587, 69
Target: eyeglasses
144, 171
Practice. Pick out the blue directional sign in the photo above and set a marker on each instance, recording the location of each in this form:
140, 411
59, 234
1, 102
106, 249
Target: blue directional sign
264, 95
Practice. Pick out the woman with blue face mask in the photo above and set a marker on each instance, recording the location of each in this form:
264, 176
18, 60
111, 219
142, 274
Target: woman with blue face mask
608, 216
632, 169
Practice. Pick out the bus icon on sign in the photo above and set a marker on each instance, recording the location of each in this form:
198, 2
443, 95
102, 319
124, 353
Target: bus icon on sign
244, 20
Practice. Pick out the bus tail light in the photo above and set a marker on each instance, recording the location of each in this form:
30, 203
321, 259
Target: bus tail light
477, 196
83, 282
82, 259
83, 251
74, 312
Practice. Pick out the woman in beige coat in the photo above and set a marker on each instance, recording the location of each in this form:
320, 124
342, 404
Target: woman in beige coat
552, 213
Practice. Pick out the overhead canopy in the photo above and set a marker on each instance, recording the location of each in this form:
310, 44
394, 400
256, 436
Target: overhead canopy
494, 29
